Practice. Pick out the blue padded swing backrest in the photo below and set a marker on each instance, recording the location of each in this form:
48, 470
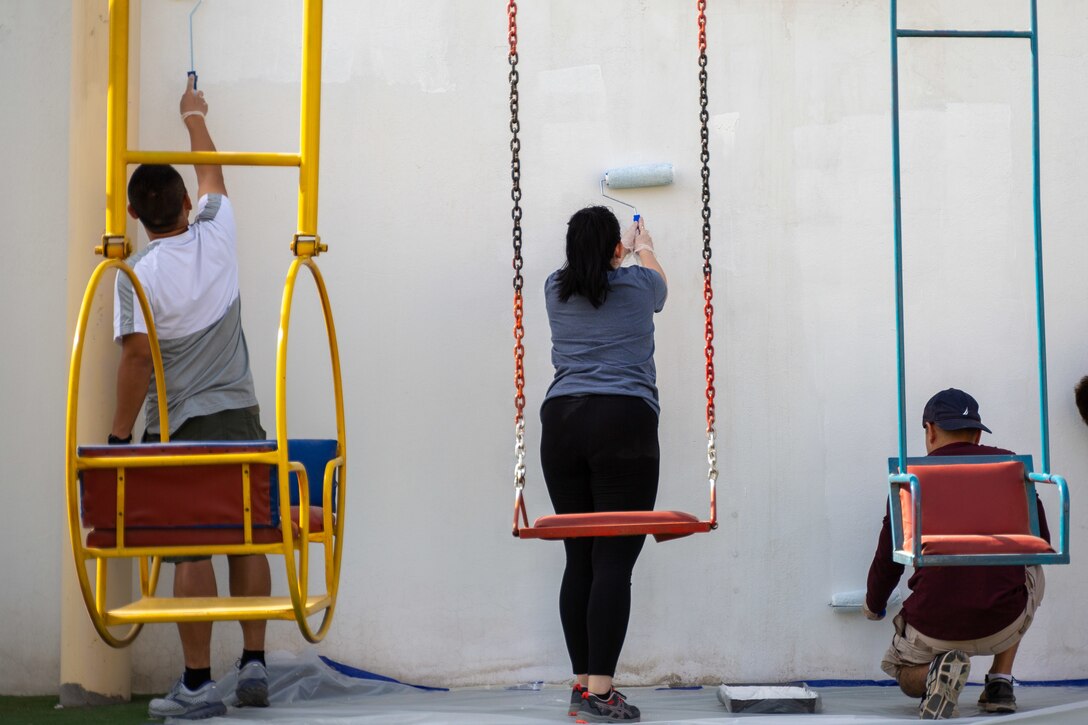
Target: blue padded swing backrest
314, 454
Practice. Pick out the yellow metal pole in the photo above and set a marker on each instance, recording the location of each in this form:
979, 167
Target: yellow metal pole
220, 158
310, 123
117, 123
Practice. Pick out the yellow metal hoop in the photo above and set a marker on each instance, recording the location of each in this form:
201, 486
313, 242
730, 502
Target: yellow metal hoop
95, 600
332, 574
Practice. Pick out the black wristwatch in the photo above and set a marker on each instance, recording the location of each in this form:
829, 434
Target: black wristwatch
115, 441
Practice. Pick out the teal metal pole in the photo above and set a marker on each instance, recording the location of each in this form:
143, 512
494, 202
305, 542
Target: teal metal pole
1040, 316
906, 33
897, 227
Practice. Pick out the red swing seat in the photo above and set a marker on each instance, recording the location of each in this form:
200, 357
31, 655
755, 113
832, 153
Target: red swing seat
972, 513
663, 525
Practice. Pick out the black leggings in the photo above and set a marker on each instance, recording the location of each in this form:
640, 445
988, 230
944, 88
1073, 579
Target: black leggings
598, 453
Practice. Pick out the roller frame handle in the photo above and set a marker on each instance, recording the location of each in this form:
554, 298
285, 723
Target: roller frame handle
194, 76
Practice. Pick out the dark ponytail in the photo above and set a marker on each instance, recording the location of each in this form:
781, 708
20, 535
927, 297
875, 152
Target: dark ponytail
592, 235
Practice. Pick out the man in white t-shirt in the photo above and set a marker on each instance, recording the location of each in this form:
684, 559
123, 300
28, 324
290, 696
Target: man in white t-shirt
189, 273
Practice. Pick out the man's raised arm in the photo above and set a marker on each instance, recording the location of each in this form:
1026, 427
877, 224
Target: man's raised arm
209, 177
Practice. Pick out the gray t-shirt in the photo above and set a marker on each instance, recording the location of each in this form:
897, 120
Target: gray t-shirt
607, 350
191, 282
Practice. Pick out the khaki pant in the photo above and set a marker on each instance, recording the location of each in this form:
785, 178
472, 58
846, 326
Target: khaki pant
911, 648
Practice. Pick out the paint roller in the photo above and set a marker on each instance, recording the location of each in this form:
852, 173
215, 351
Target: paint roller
852, 600
192, 63
635, 177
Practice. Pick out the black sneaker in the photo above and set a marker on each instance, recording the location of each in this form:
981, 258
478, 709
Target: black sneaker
576, 693
997, 696
946, 678
614, 708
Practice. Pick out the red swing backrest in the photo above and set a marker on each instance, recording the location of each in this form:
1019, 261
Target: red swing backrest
971, 508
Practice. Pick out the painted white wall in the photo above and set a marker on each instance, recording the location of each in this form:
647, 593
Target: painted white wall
415, 209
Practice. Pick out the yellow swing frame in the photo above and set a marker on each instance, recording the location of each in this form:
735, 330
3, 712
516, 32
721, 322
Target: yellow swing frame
300, 604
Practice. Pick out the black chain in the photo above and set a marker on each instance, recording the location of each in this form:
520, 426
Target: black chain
704, 156
515, 213
708, 289
515, 167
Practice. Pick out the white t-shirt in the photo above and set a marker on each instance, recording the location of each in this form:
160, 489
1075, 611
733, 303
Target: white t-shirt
191, 284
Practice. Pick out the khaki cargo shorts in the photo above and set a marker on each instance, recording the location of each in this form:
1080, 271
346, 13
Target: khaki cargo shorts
911, 648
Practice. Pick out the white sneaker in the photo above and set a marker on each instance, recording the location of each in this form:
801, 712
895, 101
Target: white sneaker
186, 704
944, 682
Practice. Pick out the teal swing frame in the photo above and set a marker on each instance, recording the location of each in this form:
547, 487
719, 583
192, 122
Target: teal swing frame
903, 471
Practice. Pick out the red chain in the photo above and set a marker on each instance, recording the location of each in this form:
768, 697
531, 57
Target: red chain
708, 350
512, 25
519, 359
701, 6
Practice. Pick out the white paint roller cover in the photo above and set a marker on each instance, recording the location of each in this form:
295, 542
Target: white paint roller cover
633, 177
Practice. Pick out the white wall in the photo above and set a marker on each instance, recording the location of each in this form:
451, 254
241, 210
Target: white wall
415, 209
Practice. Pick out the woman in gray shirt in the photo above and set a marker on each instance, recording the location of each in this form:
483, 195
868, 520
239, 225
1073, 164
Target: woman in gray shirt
599, 448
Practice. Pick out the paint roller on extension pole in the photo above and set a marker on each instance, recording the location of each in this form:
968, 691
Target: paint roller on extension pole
192, 62
635, 177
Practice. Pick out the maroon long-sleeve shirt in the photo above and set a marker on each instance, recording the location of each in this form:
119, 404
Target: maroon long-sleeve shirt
952, 602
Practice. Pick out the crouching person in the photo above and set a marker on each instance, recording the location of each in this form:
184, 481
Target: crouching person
954, 612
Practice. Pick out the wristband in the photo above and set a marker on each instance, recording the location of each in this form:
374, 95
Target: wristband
645, 249
192, 113
117, 441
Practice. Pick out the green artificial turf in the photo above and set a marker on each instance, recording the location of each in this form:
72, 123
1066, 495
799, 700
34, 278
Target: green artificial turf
45, 709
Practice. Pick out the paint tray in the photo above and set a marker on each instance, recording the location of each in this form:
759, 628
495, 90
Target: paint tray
769, 698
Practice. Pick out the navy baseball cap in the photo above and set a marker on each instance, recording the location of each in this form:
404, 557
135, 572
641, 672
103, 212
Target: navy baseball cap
953, 409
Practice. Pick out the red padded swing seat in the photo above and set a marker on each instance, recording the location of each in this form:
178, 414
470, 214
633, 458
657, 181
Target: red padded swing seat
980, 508
663, 525
189, 505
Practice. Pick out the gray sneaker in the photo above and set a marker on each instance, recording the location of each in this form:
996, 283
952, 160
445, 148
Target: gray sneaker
252, 688
946, 678
614, 708
185, 704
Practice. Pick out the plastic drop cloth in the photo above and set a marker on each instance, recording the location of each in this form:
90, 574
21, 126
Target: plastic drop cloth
303, 689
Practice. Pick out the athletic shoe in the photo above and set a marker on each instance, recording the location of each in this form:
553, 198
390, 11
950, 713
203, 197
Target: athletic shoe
946, 678
997, 696
613, 709
185, 704
576, 693
252, 687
